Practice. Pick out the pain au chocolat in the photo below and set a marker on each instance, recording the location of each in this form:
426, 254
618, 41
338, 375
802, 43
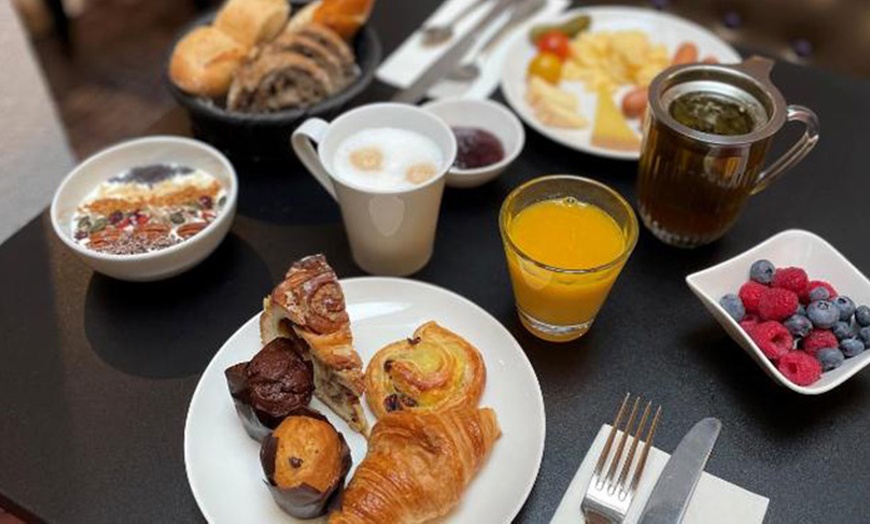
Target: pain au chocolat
308, 305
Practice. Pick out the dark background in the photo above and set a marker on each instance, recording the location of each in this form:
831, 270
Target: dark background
96, 374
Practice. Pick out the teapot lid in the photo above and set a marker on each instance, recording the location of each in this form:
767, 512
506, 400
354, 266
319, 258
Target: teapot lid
747, 82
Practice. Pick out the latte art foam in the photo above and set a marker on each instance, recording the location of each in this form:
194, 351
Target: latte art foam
385, 158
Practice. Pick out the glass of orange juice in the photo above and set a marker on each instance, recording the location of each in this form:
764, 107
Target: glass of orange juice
566, 239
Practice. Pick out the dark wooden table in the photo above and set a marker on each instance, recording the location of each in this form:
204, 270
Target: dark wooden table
96, 374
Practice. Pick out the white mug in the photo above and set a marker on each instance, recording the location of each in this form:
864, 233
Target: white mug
391, 231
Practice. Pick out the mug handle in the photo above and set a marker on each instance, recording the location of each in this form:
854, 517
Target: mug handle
797, 152
303, 139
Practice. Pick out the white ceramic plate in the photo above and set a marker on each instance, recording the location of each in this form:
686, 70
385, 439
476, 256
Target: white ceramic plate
222, 462
794, 247
662, 28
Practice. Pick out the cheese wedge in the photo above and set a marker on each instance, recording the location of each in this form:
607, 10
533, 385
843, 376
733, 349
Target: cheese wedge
611, 130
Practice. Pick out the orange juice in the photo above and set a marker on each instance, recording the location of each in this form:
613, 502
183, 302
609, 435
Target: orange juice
570, 249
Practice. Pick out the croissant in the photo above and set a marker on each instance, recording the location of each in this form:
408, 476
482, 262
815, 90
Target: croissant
418, 465
309, 305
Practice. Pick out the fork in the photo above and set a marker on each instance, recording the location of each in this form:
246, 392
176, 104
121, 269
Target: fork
608, 497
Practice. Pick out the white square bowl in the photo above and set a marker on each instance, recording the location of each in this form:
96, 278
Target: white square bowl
793, 247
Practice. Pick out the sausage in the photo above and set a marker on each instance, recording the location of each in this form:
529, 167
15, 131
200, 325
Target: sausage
634, 102
687, 53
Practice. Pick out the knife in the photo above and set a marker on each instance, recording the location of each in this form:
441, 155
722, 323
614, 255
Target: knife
448, 60
670, 497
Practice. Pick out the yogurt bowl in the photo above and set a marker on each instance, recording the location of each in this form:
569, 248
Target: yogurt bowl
489, 116
109, 163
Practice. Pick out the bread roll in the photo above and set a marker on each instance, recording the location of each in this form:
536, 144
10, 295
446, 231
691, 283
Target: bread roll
252, 22
203, 62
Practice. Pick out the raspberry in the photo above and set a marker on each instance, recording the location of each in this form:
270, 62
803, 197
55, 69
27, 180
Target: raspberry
818, 339
748, 322
772, 338
749, 294
791, 278
777, 304
805, 294
800, 368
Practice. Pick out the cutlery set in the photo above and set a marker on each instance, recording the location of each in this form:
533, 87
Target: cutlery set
451, 65
619, 469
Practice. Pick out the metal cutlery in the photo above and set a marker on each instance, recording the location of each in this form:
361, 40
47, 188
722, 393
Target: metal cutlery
670, 497
470, 70
608, 497
449, 59
438, 34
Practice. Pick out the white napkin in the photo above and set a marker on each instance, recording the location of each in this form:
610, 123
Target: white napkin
411, 59
714, 501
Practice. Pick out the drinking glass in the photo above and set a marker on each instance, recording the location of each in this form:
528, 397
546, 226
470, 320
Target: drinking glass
555, 303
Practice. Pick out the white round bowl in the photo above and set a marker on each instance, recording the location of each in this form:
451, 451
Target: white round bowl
490, 116
110, 162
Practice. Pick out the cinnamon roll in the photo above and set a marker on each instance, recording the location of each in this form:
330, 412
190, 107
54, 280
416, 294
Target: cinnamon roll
309, 305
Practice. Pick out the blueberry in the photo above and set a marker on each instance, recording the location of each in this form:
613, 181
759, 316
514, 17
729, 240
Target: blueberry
862, 315
798, 325
830, 358
819, 293
864, 335
823, 314
846, 307
734, 306
844, 330
762, 271
851, 347
801, 310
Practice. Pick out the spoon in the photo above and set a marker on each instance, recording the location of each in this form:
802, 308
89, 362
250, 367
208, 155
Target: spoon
470, 70
438, 34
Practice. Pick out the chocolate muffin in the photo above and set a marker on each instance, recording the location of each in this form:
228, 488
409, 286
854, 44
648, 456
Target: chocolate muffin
305, 461
278, 381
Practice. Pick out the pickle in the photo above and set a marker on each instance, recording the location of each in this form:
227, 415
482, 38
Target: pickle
569, 28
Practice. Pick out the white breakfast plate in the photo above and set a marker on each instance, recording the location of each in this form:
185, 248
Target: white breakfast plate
222, 462
662, 28
793, 247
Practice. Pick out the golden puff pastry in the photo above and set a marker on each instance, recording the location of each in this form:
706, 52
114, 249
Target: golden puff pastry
433, 370
309, 305
418, 465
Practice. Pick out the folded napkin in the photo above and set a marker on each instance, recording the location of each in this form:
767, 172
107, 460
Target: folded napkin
714, 501
411, 59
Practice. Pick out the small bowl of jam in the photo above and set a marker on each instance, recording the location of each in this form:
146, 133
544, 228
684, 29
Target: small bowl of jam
146, 209
488, 138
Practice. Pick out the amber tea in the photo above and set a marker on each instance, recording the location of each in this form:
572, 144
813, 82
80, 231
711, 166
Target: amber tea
706, 135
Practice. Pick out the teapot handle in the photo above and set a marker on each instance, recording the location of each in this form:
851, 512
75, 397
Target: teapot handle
797, 152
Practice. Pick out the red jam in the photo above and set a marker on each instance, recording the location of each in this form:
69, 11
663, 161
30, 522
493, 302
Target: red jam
476, 148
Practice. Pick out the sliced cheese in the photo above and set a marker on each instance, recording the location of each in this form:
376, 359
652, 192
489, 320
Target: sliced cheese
611, 130
541, 89
555, 115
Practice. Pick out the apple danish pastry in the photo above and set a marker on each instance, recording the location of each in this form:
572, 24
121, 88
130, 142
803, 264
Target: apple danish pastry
433, 370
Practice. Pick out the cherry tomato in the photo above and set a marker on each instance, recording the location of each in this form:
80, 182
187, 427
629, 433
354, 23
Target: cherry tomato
555, 42
547, 66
